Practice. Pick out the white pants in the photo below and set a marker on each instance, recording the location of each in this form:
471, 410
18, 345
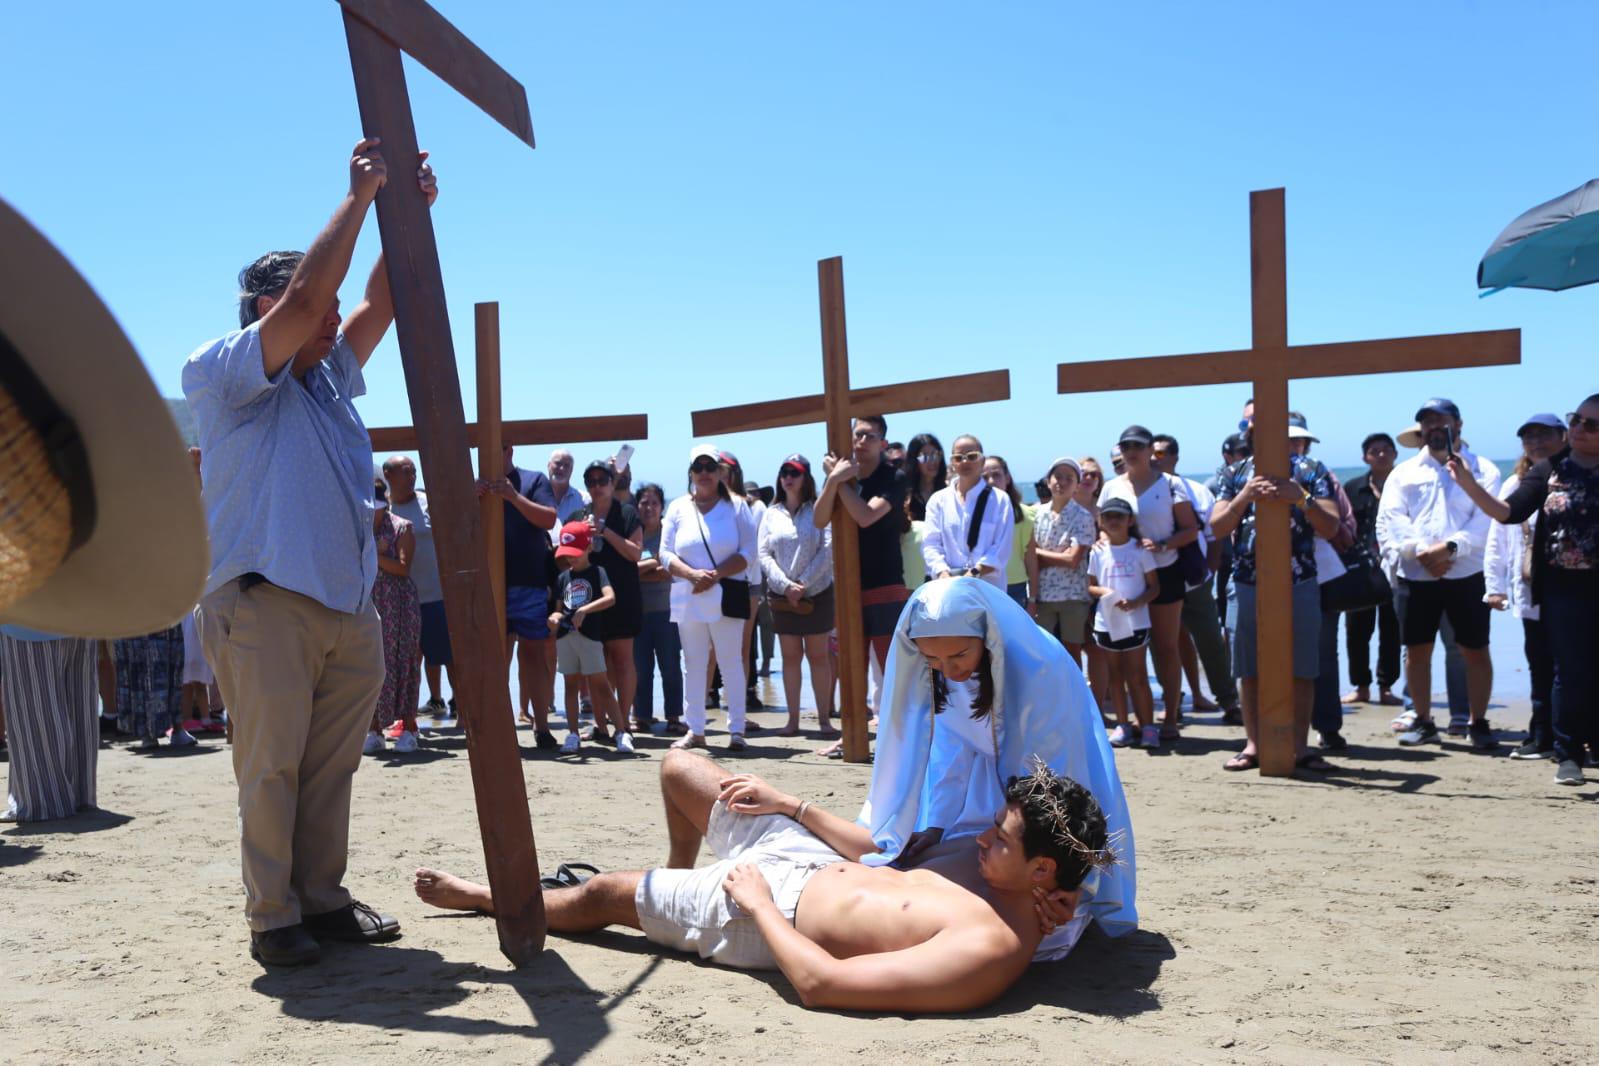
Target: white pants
727, 634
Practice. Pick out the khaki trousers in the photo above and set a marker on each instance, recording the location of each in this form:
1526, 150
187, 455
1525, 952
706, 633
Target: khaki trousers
300, 681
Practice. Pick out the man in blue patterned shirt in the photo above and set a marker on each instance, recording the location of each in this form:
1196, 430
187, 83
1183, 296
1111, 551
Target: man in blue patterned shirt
287, 620
1314, 514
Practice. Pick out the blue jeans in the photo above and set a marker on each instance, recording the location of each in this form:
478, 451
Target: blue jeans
1541, 669
657, 643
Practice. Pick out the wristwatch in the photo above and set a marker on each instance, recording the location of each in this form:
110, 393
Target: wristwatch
1454, 549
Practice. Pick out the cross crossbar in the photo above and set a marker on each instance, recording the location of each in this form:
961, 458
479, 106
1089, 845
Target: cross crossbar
877, 399
528, 432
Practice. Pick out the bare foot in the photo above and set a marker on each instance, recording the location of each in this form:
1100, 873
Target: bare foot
827, 732
1361, 694
789, 731
830, 749
1203, 704
452, 893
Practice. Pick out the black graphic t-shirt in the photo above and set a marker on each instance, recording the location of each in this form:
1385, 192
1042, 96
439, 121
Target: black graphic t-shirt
573, 589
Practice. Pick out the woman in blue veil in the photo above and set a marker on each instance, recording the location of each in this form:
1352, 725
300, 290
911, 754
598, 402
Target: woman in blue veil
1024, 699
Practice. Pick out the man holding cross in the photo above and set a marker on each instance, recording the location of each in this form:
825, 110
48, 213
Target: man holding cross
875, 504
287, 617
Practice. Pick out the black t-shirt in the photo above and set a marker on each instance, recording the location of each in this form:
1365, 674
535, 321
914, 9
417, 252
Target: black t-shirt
628, 614
881, 561
529, 560
574, 588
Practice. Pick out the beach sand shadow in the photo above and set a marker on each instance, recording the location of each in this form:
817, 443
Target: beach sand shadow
413, 989
94, 821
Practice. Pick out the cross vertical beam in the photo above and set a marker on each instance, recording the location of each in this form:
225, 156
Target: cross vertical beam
846, 539
490, 453
1268, 282
428, 354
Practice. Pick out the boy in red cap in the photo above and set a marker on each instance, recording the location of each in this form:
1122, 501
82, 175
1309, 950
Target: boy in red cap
582, 590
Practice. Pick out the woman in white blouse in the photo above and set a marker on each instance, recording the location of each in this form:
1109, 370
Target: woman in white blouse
948, 546
705, 539
797, 564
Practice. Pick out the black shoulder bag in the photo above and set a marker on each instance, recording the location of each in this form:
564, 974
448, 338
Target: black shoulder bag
735, 590
975, 528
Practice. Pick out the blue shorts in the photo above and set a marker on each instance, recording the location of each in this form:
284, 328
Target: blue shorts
527, 612
1306, 623
435, 634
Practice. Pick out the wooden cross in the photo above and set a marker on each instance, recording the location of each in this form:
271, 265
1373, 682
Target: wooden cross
1270, 363
836, 405
489, 435
377, 31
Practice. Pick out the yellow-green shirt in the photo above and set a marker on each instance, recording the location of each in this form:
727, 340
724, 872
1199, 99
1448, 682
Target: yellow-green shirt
1016, 568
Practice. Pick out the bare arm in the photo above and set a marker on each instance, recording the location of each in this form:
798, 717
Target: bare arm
364, 326
959, 968
405, 548
861, 512
749, 794
629, 548
296, 315
604, 600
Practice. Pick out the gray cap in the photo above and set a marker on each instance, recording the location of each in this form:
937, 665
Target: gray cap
1542, 418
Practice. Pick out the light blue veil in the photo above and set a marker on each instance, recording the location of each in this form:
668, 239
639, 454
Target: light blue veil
1042, 708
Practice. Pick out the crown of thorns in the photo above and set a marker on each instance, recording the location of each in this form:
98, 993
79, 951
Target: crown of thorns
1043, 786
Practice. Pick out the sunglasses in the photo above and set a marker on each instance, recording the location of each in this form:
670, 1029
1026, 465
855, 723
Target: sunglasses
789, 471
1582, 422
1131, 446
704, 466
590, 482
866, 434
967, 457
927, 457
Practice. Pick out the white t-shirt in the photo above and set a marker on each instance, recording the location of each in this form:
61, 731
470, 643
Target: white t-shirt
686, 534
1120, 569
1152, 507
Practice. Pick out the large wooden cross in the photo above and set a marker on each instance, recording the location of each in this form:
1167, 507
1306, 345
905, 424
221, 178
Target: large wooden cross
377, 31
489, 435
1270, 363
836, 405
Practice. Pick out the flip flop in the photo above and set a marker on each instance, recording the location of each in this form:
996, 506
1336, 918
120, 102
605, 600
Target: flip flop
572, 874
1314, 763
1241, 761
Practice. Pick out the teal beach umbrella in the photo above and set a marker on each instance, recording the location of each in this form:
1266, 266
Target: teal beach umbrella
1553, 246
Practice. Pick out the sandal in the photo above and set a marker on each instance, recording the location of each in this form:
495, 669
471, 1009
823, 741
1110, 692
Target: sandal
1313, 762
1242, 761
572, 874
688, 740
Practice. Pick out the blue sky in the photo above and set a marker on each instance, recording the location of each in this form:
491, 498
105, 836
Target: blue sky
1011, 185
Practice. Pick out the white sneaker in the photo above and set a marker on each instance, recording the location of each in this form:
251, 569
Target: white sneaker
372, 744
571, 744
406, 743
624, 743
182, 738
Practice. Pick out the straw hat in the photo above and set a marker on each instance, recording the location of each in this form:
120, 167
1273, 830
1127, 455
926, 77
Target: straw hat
1411, 438
101, 531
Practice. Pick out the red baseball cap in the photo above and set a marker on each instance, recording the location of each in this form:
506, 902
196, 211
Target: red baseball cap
573, 541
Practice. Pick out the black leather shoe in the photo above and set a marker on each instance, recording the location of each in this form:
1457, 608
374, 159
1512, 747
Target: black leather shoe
355, 923
288, 945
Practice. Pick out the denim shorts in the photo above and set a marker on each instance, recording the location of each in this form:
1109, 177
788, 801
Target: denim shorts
1306, 625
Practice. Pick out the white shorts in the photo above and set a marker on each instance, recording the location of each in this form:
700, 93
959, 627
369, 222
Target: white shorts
576, 654
688, 910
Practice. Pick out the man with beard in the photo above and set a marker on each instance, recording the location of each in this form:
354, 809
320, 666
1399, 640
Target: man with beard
1439, 535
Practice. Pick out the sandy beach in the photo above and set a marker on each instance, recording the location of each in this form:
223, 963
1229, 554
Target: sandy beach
1416, 905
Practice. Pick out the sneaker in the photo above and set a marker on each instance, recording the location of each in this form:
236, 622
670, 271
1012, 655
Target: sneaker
1232, 716
1569, 773
1483, 737
1150, 736
1458, 729
449, 708
394, 731
1423, 731
736, 742
1403, 721
624, 743
148, 744
571, 745
1530, 749
1121, 736
585, 707
544, 740
182, 738
372, 744
435, 707
406, 743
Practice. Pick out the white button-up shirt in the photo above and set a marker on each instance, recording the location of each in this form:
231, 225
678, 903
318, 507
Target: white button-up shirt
1422, 506
945, 535
1502, 563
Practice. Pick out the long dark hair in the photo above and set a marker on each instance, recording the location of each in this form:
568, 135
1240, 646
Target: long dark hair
913, 472
1010, 487
984, 704
807, 487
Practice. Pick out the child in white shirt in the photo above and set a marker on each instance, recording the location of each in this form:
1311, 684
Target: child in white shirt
1121, 576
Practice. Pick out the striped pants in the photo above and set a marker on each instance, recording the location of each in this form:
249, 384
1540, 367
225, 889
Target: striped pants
52, 727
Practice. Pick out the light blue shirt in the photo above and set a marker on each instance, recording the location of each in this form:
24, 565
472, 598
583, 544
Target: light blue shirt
286, 467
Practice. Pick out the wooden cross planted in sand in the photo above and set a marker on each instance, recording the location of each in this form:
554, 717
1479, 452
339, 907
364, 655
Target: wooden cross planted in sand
837, 404
377, 31
1270, 363
490, 436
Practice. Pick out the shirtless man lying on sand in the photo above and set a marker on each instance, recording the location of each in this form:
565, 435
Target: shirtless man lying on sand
788, 891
